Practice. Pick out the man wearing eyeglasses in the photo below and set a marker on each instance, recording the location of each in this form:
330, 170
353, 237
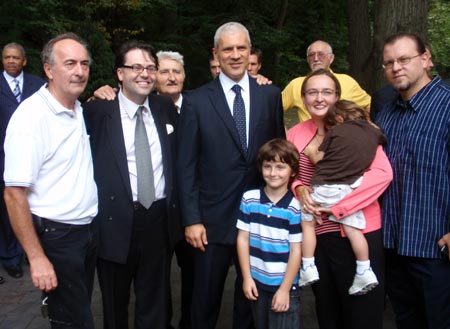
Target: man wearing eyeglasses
320, 56
133, 142
416, 206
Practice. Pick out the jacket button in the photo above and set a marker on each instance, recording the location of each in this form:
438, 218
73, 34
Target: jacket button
109, 217
112, 197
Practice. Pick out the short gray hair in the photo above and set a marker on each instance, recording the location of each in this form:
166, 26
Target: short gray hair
15, 46
173, 55
47, 51
330, 50
230, 27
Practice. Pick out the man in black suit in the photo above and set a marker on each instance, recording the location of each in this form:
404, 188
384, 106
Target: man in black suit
139, 224
15, 86
216, 160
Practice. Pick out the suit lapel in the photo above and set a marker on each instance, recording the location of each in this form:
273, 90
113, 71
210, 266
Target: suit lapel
217, 98
255, 113
158, 117
114, 132
5, 90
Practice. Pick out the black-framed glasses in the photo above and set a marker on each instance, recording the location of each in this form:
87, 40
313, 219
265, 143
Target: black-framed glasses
138, 68
400, 61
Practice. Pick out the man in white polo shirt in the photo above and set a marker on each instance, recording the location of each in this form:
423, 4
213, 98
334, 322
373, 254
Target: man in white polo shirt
49, 183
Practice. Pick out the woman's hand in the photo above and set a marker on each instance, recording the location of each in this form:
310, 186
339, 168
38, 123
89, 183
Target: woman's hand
304, 196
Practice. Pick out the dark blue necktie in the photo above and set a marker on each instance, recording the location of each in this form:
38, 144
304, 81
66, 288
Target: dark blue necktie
239, 116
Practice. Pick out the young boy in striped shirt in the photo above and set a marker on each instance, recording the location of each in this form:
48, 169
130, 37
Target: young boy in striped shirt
269, 238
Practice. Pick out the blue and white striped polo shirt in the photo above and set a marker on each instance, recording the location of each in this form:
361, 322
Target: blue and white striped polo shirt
272, 228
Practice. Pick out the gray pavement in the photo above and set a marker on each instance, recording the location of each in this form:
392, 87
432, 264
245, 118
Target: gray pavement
20, 301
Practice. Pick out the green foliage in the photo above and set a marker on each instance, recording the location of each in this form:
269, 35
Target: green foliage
439, 35
188, 26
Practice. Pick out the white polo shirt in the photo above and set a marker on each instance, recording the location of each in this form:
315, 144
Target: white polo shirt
47, 150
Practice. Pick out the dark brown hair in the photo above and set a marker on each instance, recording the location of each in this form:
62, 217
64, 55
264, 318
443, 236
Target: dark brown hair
279, 149
322, 72
348, 110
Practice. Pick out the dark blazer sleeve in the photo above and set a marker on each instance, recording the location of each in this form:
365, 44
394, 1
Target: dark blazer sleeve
213, 169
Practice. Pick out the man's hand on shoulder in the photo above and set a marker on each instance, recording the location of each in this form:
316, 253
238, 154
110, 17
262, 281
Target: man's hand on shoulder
105, 92
262, 80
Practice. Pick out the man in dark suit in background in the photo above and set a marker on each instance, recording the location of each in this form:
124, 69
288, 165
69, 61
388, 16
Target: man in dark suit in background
138, 221
221, 128
15, 86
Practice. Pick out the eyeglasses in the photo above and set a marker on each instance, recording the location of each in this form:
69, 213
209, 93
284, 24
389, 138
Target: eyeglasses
324, 92
320, 55
401, 61
138, 68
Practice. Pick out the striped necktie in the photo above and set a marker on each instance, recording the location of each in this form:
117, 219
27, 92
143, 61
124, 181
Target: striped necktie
16, 90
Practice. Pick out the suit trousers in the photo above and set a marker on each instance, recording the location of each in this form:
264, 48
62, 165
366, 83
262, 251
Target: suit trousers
72, 250
10, 249
147, 267
419, 290
336, 262
210, 272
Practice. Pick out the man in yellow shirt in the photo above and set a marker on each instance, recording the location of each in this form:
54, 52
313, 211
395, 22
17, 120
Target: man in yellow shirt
320, 56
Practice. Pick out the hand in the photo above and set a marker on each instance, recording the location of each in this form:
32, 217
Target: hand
196, 236
280, 301
106, 92
445, 240
262, 80
250, 290
42, 274
304, 196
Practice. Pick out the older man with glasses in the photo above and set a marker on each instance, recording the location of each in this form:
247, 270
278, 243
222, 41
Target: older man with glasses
320, 56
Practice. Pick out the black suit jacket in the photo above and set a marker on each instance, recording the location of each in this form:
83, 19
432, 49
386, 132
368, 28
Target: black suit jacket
115, 215
8, 104
213, 169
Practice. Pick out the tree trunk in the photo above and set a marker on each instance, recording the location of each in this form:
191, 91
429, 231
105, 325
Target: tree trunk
393, 16
360, 45
280, 23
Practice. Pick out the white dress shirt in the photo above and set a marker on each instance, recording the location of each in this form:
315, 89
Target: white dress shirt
128, 117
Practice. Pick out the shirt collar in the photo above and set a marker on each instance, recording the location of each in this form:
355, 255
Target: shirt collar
11, 78
129, 106
227, 83
284, 202
179, 102
56, 106
414, 101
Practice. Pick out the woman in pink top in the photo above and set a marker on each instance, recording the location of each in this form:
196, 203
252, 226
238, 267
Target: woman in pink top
335, 260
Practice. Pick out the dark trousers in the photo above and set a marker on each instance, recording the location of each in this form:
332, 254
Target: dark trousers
10, 249
265, 318
184, 253
72, 250
147, 267
210, 272
336, 263
419, 291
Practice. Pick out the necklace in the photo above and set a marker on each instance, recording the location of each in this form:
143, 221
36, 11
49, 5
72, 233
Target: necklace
316, 140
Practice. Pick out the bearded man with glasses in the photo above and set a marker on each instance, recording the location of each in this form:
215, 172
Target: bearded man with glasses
320, 56
416, 206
